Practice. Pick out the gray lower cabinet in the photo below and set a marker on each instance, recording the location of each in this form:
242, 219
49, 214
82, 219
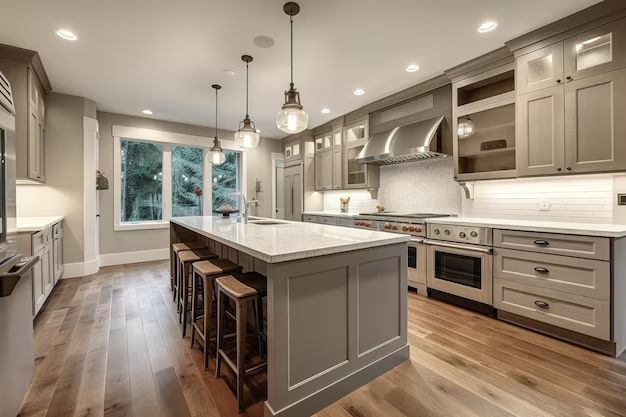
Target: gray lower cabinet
47, 244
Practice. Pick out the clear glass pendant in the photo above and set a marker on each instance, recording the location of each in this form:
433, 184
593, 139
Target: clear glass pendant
291, 118
216, 154
466, 128
247, 136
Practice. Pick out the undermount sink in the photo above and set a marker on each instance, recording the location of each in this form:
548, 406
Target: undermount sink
266, 222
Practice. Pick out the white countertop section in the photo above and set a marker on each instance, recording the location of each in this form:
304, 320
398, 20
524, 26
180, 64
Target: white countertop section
289, 240
331, 214
584, 229
36, 224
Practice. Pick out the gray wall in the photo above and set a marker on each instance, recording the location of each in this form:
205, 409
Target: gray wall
63, 192
259, 166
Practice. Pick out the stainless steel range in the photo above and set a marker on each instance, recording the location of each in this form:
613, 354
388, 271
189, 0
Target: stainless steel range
460, 263
413, 224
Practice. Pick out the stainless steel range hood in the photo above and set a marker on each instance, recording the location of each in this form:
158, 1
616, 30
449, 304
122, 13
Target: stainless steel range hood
412, 142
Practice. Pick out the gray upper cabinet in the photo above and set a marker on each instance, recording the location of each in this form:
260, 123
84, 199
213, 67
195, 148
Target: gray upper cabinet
571, 104
539, 131
323, 162
357, 175
30, 86
595, 123
337, 159
540, 69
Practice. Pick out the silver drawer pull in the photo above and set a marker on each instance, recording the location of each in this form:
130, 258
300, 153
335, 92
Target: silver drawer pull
542, 269
541, 242
542, 304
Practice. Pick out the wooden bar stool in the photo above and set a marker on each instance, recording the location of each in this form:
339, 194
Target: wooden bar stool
243, 290
178, 247
202, 319
185, 261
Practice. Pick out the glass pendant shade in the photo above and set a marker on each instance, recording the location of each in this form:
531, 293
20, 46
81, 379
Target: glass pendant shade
216, 154
292, 120
247, 136
466, 128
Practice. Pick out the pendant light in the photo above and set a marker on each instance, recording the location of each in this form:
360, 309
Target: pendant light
466, 128
216, 154
291, 118
247, 136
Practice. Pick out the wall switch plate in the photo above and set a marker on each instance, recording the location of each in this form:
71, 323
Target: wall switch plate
544, 206
621, 199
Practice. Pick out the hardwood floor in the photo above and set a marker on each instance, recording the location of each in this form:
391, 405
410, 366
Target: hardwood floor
110, 345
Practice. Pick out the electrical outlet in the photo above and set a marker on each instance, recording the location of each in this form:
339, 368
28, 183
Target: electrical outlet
544, 206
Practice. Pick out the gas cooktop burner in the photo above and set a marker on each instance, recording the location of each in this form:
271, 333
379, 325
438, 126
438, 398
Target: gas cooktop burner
405, 215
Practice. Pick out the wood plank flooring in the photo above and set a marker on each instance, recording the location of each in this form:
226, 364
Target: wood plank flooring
109, 345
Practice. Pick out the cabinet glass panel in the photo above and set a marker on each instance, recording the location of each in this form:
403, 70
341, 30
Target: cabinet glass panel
355, 133
288, 152
540, 69
319, 144
296, 150
594, 51
337, 138
327, 142
356, 172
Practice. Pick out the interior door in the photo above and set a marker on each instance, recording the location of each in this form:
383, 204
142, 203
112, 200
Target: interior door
595, 123
539, 132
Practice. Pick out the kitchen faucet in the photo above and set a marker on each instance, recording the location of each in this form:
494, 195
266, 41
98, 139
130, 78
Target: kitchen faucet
244, 213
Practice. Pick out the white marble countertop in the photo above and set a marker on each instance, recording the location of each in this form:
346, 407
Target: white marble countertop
286, 241
571, 228
36, 224
331, 214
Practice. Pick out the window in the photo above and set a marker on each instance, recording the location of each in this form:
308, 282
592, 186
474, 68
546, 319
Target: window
226, 181
142, 181
158, 175
187, 175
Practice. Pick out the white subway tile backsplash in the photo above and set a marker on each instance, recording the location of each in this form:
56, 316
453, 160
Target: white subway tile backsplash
577, 199
360, 201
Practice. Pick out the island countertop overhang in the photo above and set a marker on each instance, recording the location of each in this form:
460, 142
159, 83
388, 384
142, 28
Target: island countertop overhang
288, 240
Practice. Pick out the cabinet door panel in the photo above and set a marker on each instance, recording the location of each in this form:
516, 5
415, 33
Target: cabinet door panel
597, 51
38, 287
327, 170
34, 143
595, 125
319, 169
354, 173
337, 171
539, 126
540, 69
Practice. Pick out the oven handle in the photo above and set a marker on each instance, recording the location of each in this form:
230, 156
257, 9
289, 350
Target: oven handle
481, 249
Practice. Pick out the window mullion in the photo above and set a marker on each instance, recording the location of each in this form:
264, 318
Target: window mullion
167, 181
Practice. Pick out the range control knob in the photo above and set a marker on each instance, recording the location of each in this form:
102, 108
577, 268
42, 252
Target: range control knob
411, 229
473, 234
446, 232
418, 229
394, 227
405, 228
462, 235
436, 231
387, 226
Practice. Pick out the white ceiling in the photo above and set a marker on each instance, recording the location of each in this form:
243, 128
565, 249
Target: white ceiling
164, 55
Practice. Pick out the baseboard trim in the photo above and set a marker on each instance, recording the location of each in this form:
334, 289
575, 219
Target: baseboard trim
79, 269
121, 258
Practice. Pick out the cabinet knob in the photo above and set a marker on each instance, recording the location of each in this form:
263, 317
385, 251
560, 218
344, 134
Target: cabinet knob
558, 81
542, 304
559, 169
568, 78
569, 168
542, 269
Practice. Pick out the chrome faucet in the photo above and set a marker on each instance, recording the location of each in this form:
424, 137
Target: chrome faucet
244, 213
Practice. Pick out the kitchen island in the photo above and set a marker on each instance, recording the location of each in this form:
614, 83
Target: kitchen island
336, 304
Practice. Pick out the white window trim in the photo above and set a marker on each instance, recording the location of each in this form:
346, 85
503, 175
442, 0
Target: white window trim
167, 139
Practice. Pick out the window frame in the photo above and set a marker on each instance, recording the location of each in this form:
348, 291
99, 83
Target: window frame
167, 139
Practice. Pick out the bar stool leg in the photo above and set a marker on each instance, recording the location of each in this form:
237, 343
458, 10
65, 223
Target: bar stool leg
258, 322
208, 290
185, 284
194, 304
172, 268
220, 333
242, 328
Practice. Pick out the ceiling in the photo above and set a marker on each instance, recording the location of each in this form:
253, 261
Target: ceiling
164, 55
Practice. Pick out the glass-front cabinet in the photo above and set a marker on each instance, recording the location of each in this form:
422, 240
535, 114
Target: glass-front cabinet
357, 175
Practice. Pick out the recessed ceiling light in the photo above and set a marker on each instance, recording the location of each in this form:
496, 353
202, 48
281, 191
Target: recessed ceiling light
229, 72
412, 68
359, 92
67, 35
263, 41
325, 110
487, 26
146, 111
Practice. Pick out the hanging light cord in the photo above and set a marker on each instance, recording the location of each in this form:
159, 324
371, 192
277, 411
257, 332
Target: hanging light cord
216, 113
291, 23
247, 115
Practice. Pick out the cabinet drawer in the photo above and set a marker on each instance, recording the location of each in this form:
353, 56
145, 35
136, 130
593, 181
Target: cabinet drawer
346, 222
57, 230
308, 218
573, 312
587, 277
569, 245
327, 220
38, 241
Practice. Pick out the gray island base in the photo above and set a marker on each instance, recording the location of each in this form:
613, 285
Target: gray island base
336, 306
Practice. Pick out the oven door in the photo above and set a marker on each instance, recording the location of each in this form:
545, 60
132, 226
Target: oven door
461, 270
416, 272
